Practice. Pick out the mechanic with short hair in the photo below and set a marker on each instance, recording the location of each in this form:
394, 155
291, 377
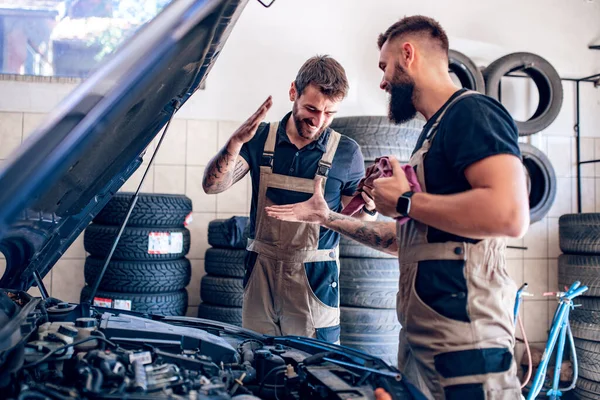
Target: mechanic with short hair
456, 299
291, 281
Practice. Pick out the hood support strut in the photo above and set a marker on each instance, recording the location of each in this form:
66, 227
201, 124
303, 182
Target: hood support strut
40, 284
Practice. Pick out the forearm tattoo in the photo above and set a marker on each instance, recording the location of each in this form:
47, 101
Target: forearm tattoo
220, 175
376, 234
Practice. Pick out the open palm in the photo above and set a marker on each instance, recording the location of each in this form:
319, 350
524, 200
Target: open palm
313, 210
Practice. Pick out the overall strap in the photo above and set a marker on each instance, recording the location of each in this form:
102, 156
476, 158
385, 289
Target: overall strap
327, 159
433, 130
269, 149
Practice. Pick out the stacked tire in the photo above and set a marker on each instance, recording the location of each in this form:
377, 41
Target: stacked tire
148, 271
580, 243
368, 277
221, 289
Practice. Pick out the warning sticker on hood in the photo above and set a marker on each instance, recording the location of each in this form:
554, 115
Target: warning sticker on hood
165, 242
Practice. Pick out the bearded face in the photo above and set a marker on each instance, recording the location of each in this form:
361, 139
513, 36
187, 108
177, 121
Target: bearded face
313, 112
305, 126
401, 89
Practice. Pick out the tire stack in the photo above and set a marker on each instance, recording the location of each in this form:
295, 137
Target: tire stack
221, 289
580, 243
368, 277
148, 271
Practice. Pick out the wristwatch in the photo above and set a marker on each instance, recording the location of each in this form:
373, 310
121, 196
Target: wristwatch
403, 204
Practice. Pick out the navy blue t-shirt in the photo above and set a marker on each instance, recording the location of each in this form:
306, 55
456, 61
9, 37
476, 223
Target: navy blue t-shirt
475, 127
347, 170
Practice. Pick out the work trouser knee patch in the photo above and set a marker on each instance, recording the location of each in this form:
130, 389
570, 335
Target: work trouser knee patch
323, 281
329, 334
473, 362
249, 262
442, 286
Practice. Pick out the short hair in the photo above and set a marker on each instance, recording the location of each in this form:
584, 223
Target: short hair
326, 74
416, 24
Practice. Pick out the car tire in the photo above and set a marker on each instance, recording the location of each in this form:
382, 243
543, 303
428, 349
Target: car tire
151, 210
229, 233
169, 304
378, 136
588, 359
225, 262
546, 79
466, 71
221, 291
369, 282
135, 243
373, 331
585, 269
229, 315
139, 276
579, 233
587, 389
585, 318
541, 181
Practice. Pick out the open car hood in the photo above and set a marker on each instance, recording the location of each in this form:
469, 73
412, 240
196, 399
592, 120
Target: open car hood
70, 167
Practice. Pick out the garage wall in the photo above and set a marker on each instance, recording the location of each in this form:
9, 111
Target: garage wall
270, 44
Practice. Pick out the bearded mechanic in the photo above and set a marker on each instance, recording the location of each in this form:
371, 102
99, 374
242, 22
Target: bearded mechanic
291, 281
455, 300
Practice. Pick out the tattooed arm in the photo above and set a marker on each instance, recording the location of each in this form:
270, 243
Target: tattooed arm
227, 167
380, 235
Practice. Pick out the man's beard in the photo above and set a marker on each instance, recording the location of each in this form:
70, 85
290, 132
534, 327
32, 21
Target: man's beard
301, 125
401, 105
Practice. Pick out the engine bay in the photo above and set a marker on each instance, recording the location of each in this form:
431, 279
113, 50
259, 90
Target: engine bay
56, 350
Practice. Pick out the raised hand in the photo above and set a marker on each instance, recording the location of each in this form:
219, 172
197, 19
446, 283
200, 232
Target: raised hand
248, 129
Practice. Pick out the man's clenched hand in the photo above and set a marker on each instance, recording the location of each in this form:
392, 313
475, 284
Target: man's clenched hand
313, 210
386, 191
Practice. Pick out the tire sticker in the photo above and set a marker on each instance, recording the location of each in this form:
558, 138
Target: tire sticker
112, 303
102, 302
165, 242
188, 219
123, 305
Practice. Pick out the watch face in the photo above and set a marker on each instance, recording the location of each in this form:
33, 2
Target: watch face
403, 205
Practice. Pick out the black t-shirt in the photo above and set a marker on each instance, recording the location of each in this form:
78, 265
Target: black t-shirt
473, 128
347, 170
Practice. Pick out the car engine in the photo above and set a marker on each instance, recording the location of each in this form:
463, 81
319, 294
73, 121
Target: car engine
61, 353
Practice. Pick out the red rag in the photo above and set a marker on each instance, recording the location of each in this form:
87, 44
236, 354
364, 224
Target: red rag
380, 169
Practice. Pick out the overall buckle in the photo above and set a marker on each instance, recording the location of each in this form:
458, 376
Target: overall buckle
323, 170
266, 160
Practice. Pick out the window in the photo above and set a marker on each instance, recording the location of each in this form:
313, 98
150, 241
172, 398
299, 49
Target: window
67, 38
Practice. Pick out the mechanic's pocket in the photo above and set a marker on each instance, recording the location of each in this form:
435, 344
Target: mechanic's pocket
329, 334
249, 263
441, 286
322, 279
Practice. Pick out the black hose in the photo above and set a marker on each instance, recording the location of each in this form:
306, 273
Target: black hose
30, 394
276, 369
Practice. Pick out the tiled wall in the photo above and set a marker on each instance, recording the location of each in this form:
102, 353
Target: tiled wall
190, 144
178, 168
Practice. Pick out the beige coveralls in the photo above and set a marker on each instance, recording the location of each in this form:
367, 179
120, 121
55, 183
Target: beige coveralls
292, 288
457, 334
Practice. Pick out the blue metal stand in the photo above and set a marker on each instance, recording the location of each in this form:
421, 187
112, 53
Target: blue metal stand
560, 329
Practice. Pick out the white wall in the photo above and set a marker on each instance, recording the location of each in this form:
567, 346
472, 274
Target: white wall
262, 56
267, 46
